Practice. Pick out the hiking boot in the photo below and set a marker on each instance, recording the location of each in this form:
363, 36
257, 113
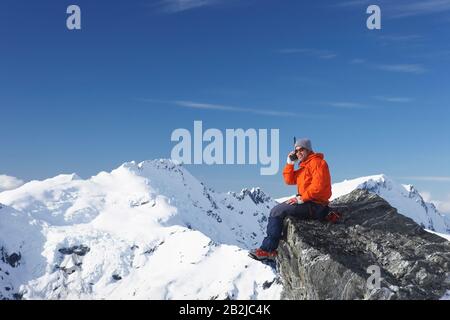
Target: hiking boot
261, 255
333, 217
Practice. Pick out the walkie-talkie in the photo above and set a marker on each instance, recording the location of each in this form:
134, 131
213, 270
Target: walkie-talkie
293, 157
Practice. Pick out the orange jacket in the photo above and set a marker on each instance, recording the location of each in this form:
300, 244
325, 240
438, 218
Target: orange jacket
312, 178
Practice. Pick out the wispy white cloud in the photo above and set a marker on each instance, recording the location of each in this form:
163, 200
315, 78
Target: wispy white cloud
406, 68
219, 107
402, 8
357, 61
440, 54
346, 105
8, 182
304, 80
394, 99
401, 38
340, 104
174, 6
427, 178
422, 7
308, 81
328, 56
402, 67
426, 195
352, 3
209, 106
442, 205
321, 54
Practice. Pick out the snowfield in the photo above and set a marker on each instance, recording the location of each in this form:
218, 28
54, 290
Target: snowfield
143, 231
150, 231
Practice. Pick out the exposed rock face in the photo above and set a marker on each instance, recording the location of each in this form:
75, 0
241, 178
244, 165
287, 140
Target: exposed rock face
12, 259
80, 250
330, 261
256, 194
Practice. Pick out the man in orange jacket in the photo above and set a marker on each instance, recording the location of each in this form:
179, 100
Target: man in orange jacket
314, 191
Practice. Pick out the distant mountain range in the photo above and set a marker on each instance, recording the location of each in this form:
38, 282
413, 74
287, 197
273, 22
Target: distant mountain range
151, 231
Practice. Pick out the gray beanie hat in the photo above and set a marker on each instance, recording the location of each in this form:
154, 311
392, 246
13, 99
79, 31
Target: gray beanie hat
304, 143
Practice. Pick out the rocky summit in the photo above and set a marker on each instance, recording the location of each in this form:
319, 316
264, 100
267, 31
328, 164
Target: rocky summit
318, 260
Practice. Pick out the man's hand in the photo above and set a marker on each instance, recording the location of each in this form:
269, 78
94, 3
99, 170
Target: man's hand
294, 200
289, 161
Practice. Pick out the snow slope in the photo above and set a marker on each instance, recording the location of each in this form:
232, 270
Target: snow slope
143, 231
151, 231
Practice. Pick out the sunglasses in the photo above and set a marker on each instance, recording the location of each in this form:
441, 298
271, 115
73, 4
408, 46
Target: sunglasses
299, 150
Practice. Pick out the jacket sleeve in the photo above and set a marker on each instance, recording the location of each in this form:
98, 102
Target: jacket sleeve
321, 180
290, 175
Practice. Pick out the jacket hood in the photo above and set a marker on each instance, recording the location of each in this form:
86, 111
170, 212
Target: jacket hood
312, 156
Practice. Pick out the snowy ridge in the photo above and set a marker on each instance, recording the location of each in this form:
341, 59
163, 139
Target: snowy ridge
405, 198
143, 231
151, 231
16, 229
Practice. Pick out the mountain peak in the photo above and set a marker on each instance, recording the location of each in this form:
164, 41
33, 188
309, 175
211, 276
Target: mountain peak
147, 230
406, 198
162, 163
147, 216
255, 194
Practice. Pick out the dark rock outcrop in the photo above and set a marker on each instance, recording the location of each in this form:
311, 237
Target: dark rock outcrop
318, 260
12, 259
80, 250
255, 194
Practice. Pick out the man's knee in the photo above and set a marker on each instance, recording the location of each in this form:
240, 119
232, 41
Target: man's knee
278, 211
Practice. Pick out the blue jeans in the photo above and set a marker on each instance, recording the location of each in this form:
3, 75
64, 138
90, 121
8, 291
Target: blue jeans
308, 210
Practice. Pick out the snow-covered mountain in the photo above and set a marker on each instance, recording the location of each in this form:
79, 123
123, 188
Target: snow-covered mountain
405, 198
151, 231
143, 231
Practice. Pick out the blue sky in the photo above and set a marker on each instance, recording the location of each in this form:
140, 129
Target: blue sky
374, 101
